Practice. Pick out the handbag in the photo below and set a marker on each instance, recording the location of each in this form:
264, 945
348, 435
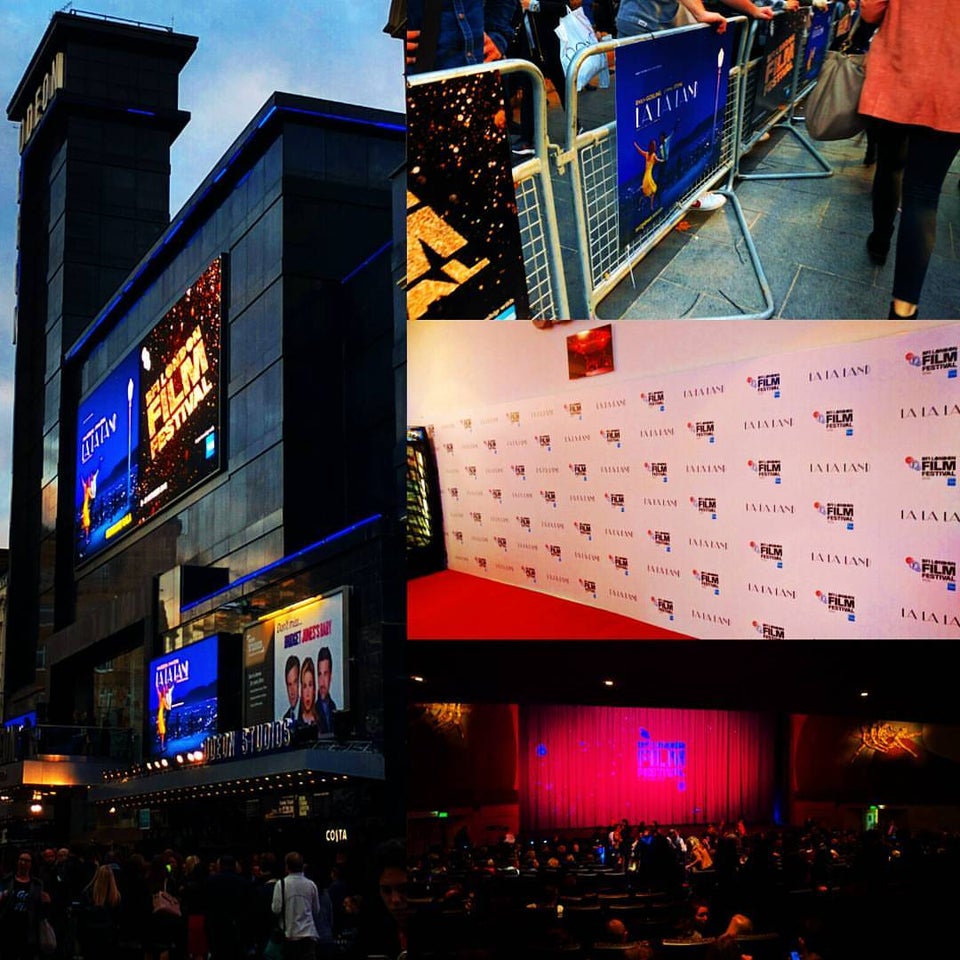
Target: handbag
576, 33
833, 106
274, 947
166, 903
47, 938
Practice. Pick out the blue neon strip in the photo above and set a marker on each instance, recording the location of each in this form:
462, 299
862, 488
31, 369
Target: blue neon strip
276, 563
105, 313
144, 113
370, 259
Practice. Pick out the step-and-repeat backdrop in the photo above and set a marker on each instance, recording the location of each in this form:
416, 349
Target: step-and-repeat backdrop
806, 495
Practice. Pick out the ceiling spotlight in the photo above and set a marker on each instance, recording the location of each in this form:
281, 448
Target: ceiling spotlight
608, 683
164, 763
179, 758
112, 810
864, 693
36, 807
149, 765
417, 679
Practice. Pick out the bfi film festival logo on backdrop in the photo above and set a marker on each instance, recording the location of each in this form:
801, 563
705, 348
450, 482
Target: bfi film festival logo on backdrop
579, 470
769, 631
620, 564
542, 440
655, 399
530, 573
707, 505
661, 538
612, 435
477, 517
524, 523
519, 470
844, 603
589, 586
491, 446
766, 383
481, 562
942, 360
457, 535
467, 424
554, 551
574, 410
771, 552
501, 543
549, 498
664, 606
944, 467
471, 471
584, 528
454, 493
766, 469
708, 581
657, 470
836, 513
448, 448
836, 421
935, 571
703, 430
617, 500
497, 494
513, 416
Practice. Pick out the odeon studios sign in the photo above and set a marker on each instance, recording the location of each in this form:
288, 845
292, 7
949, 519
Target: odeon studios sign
52, 82
248, 741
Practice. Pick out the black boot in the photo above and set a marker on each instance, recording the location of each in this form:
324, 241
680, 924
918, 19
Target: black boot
877, 249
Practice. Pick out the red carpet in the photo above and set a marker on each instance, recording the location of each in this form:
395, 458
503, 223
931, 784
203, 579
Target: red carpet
456, 606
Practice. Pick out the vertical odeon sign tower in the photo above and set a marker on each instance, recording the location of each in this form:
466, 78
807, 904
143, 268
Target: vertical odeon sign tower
98, 112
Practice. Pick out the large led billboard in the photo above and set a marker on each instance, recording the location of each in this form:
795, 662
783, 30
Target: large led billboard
182, 697
296, 662
150, 431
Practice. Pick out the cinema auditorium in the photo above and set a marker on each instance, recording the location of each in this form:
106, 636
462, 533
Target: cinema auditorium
205, 594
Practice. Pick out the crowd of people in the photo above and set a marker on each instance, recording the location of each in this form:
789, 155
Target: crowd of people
913, 116
820, 892
107, 904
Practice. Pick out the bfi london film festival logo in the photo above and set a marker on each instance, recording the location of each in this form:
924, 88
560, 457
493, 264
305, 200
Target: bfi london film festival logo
513, 416
477, 517
708, 581
703, 430
931, 468
584, 528
707, 505
612, 435
661, 538
481, 562
525, 524
836, 421
589, 587
579, 470
767, 469
554, 551
574, 410
844, 603
549, 498
766, 383
519, 470
454, 493
655, 399
836, 513
664, 607
530, 573
657, 470
501, 543
935, 571
491, 446
496, 493
467, 424
542, 440
939, 360
772, 552
769, 631
620, 564
616, 500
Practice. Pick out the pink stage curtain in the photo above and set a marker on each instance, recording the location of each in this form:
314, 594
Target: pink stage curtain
591, 766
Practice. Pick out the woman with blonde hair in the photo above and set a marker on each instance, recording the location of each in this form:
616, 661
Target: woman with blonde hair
99, 914
700, 858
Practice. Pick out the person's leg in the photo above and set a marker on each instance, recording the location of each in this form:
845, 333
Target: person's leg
928, 160
891, 144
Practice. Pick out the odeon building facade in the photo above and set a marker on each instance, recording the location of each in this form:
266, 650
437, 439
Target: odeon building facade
207, 464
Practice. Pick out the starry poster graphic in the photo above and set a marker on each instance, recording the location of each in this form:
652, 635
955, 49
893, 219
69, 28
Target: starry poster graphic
464, 254
671, 97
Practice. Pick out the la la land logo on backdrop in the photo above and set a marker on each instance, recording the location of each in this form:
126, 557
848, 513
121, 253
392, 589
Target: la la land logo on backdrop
766, 383
769, 631
937, 571
836, 420
935, 467
844, 603
939, 360
836, 513
766, 469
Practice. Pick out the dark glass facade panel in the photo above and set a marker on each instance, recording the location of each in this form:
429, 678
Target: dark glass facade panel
51, 401
255, 340
51, 453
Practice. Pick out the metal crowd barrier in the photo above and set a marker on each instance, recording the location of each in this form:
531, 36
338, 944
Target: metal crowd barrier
754, 127
539, 232
592, 159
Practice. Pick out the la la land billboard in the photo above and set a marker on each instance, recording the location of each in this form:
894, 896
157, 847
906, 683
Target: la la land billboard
150, 431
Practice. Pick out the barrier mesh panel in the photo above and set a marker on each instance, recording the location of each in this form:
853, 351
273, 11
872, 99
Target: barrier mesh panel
534, 241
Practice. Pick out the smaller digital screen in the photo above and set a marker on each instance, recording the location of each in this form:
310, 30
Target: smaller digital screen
182, 695
22, 720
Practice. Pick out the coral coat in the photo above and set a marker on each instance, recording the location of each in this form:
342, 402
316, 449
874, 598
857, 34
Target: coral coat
913, 65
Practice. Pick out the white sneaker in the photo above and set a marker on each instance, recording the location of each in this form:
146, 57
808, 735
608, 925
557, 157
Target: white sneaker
709, 202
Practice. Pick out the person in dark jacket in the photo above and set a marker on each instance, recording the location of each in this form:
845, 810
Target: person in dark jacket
22, 905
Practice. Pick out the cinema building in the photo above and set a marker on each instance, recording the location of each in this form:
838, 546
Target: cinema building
207, 461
